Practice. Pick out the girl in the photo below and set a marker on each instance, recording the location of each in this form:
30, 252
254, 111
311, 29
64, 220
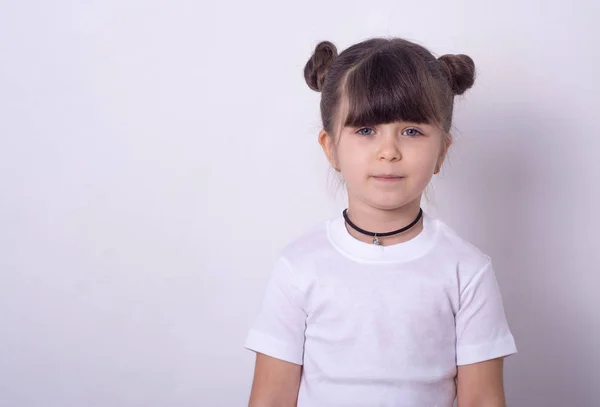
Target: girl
383, 305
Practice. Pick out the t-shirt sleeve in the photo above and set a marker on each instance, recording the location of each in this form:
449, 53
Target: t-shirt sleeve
482, 331
280, 325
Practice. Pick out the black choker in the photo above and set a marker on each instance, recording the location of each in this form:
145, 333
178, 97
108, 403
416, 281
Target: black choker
376, 236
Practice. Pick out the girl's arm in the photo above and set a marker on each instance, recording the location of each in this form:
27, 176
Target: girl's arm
275, 384
481, 384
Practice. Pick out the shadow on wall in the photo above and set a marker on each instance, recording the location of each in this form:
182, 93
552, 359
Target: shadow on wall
516, 203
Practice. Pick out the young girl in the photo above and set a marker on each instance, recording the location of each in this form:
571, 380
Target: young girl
383, 305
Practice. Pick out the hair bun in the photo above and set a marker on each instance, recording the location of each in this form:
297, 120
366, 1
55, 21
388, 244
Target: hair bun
460, 71
317, 66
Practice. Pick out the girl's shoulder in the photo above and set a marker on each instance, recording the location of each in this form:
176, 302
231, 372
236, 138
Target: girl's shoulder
462, 251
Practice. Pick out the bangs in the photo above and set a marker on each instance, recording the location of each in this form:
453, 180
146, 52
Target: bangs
389, 87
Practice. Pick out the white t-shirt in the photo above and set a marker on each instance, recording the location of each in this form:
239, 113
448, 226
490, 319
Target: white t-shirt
381, 325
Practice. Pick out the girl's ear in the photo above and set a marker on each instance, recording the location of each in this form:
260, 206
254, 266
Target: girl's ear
443, 153
327, 144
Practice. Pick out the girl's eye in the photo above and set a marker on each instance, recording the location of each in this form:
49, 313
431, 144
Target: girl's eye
412, 132
366, 131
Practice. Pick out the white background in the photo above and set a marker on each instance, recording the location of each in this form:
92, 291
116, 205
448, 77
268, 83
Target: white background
155, 156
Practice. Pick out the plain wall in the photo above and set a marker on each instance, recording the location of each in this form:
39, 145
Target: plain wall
155, 157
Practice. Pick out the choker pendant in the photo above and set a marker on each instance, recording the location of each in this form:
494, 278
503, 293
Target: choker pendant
376, 241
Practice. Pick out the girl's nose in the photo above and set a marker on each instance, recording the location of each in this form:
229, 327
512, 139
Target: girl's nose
388, 150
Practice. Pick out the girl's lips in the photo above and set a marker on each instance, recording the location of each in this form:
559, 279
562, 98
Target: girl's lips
387, 178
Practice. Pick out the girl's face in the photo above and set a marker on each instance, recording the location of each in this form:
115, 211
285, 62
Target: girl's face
386, 166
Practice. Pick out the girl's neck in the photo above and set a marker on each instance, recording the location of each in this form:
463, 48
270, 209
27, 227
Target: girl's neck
384, 220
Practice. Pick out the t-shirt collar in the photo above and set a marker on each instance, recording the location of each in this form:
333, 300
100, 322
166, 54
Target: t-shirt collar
358, 250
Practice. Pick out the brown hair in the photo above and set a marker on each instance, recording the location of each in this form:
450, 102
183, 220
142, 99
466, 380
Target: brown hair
386, 80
